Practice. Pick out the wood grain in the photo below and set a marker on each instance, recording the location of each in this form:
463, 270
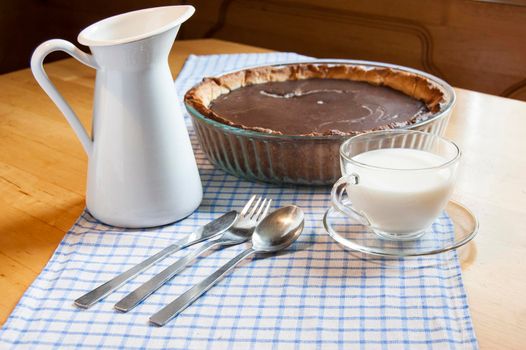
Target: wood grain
42, 183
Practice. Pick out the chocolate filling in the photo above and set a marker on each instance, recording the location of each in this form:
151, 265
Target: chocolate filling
321, 106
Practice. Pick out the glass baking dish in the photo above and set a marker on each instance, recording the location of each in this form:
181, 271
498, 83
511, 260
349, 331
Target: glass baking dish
304, 160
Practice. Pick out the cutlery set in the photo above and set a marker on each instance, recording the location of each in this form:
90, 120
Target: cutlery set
268, 233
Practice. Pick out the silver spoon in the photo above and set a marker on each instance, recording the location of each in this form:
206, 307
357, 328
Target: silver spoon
276, 232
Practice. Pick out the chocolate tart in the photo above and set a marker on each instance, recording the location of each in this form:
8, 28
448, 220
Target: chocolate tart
285, 123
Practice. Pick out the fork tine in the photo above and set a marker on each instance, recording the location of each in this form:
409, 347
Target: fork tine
261, 207
265, 212
254, 208
247, 206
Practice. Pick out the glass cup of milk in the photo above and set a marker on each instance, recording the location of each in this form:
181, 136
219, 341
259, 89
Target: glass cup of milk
398, 181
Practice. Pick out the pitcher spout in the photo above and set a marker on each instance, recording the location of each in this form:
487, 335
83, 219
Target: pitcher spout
135, 40
135, 26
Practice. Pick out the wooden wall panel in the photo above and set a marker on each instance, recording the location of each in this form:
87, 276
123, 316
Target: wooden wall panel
24, 24
478, 45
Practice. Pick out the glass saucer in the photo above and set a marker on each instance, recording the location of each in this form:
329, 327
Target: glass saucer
455, 227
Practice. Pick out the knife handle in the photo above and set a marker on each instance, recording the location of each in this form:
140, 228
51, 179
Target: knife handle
146, 289
103, 290
210, 230
161, 317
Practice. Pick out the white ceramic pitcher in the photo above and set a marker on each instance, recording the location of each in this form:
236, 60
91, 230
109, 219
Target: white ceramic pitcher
142, 171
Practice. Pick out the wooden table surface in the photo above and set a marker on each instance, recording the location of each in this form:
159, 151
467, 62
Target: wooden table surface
43, 174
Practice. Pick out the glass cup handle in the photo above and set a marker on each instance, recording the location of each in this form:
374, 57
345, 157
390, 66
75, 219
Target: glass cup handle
336, 197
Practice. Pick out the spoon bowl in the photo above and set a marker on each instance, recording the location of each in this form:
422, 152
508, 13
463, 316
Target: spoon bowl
278, 230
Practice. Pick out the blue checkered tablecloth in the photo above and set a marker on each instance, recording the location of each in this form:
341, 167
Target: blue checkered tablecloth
315, 296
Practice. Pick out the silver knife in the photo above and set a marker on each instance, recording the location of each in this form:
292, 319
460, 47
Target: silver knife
210, 230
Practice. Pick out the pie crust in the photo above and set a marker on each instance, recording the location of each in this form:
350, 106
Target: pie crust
418, 87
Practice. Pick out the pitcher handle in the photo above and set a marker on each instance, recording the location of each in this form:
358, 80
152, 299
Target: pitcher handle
42, 78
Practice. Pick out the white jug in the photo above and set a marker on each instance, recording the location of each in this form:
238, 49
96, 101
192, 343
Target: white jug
142, 171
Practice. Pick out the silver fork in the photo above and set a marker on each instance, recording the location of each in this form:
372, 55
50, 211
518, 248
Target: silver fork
240, 232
